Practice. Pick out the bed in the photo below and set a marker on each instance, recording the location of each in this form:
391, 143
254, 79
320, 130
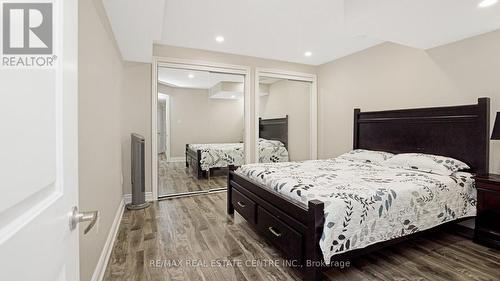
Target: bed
322, 211
204, 159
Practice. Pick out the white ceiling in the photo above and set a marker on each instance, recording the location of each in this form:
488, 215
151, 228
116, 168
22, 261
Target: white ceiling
421, 24
136, 24
284, 30
181, 78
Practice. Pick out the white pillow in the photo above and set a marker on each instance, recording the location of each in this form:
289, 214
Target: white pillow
426, 163
367, 155
266, 142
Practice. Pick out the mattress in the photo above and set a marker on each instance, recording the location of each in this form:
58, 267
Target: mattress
220, 155
367, 203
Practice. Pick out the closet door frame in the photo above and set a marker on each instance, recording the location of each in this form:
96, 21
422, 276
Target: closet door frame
313, 108
200, 66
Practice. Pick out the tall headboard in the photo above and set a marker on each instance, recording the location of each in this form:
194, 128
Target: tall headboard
461, 132
274, 129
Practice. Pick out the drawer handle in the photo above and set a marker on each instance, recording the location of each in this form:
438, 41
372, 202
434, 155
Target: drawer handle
274, 232
242, 205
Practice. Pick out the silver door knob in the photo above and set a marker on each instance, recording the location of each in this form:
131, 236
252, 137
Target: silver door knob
78, 217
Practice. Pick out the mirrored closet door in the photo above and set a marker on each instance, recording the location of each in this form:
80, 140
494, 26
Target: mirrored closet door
286, 122
200, 129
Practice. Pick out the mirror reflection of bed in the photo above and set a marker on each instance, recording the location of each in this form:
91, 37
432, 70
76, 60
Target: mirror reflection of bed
213, 159
280, 100
193, 110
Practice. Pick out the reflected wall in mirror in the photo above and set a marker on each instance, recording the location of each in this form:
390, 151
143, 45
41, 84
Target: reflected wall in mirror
200, 129
284, 120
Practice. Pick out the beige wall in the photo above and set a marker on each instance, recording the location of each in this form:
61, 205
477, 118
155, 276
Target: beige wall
138, 93
290, 98
196, 118
386, 76
252, 62
136, 117
390, 76
100, 77
217, 57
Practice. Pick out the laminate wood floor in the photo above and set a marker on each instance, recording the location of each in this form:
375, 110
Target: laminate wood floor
174, 177
179, 239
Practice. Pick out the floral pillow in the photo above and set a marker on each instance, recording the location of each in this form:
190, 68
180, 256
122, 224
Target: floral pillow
370, 156
426, 163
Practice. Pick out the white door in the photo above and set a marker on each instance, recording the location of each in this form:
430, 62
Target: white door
163, 122
167, 128
161, 126
38, 151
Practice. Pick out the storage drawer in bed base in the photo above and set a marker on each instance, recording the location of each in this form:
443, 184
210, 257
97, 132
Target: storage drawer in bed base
277, 227
280, 234
244, 206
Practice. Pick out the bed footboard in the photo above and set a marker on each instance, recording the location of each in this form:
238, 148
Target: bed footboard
193, 162
292, 228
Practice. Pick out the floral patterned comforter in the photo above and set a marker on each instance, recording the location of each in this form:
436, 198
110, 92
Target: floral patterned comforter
219, 155
366, 203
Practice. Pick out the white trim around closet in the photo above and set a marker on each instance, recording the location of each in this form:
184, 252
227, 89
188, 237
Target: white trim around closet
299, 76
201, 66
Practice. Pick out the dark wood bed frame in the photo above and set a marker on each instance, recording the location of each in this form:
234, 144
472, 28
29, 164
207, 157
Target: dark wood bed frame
274, 129
271, 129
460, 132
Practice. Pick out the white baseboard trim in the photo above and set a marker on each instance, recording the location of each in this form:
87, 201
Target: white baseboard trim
177, 159
100, 268
128, 197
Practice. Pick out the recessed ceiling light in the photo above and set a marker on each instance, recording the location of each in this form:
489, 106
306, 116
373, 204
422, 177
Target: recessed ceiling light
487, 3
308, 54
219, 39
190, 75
233, 96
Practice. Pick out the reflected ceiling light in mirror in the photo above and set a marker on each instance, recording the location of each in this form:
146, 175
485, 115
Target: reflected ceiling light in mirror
219, 39
308, 54
190, 75
487, 3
